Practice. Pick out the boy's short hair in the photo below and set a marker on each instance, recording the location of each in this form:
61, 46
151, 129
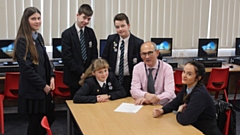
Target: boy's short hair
85, 9
121, 17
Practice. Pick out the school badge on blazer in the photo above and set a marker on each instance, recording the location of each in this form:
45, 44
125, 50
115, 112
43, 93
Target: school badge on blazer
115, 46
90, 44
134, 60
110, 86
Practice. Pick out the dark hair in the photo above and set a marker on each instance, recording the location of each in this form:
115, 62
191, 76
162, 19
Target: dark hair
25, 31
85, 9
121, 17
200, 71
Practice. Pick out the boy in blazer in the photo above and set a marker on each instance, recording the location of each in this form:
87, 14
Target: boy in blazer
79, 48
123, 49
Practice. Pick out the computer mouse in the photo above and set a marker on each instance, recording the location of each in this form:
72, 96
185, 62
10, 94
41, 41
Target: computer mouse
231, 66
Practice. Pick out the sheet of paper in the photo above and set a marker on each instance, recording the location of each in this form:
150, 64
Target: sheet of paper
128, 108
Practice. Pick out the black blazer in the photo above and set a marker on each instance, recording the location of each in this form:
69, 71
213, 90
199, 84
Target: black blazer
31, 83
134, 46
90, 89
71, 54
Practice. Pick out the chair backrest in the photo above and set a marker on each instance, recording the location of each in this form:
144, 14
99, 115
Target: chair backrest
45, 124
218, 79
60, 85
178, 80
11, 85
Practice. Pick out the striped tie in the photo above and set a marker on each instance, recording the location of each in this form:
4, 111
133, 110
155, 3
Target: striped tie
121, 64
83, 47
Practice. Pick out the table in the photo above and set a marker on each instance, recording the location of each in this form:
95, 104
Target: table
101, 119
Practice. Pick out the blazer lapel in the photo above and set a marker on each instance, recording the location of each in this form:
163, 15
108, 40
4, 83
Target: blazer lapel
76, 41
130, 50
87, 40
115, 41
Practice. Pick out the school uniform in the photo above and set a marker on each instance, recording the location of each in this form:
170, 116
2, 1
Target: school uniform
74, 65
111, 54
91, 88
200, 110
33, 79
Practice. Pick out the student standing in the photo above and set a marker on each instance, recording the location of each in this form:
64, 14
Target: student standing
79, 48
194, 104
122, 51
36, 74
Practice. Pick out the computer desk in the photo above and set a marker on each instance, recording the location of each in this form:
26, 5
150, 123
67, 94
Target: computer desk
100, 119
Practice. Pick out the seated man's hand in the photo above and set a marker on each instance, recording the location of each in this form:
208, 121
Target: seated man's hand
141, 101
152, 98
157, 112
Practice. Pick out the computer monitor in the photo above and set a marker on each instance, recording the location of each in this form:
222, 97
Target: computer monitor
164, 45
237, 47
103, 43
6, 49
57, 48
208, 47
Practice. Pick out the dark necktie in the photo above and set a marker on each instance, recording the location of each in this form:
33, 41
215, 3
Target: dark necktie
150, 84
121, 63
104, 85
83, 47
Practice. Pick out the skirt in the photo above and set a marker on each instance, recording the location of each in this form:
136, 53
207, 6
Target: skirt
35, 106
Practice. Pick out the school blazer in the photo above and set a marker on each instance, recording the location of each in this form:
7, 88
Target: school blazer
90, 89
72, 56
110, 53
31, 83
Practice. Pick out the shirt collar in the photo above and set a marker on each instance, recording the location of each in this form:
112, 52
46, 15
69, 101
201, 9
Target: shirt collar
189, 90
100, 83
125, 40
34, 35
78, 29
155, 66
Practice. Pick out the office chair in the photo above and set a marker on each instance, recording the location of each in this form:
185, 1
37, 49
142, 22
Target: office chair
218, 80
238, 86
11, 85
178, 80
45, 124
10, 92
61, 89
1, 114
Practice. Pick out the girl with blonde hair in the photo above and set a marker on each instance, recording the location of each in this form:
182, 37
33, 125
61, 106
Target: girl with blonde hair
98, 84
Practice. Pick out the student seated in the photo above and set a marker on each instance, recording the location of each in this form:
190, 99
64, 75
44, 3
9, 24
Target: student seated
98, 85
194, 104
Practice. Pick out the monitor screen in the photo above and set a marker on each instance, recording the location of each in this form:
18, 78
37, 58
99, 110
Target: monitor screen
208, 47
6, 49
103, 43
57, 48
237, 47
164, 45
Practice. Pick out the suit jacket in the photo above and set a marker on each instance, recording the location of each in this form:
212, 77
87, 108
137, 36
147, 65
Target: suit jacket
31, 82
72, 56
90, 89
110, 55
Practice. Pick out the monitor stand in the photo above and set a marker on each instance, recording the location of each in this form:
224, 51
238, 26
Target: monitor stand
60, 62
9, 63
